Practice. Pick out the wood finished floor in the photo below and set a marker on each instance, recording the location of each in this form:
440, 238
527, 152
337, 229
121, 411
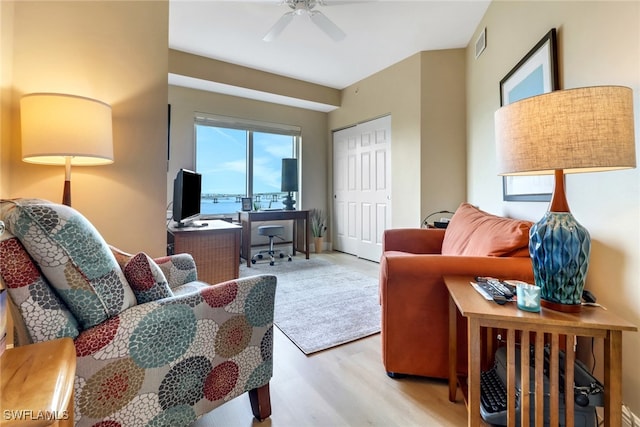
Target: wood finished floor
342, 386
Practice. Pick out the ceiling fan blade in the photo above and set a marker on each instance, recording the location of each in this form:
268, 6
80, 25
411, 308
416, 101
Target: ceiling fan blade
279, 26
340, 2
327, 26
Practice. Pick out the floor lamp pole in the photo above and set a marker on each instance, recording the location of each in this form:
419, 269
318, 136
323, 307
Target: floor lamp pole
66, 192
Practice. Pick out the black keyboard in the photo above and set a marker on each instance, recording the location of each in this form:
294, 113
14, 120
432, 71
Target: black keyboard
493, 395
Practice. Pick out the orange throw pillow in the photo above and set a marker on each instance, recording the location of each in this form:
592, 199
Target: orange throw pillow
473, 232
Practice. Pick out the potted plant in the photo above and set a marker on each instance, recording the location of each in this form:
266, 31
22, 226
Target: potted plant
318, 228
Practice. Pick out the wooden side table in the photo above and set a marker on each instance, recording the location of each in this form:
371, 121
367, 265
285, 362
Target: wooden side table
215, 249
36, 384
548, 324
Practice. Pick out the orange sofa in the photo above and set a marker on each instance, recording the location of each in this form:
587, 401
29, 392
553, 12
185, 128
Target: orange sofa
414, 298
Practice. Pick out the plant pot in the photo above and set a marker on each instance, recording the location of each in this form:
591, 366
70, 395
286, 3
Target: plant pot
318, 243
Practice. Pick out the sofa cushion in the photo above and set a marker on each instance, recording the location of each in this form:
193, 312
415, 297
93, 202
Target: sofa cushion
46, 317
73, 257
473, 232
146, 279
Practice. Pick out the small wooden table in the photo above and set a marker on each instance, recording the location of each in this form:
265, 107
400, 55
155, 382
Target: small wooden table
300, 228
590, 322
36, 384
215, 249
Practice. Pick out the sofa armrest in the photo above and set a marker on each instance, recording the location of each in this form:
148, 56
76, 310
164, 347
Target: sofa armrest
415, 305
402, 267
413, 240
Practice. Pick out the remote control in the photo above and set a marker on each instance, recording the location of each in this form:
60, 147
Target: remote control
500, 287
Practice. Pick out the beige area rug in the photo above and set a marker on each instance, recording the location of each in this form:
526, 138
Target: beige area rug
319, 304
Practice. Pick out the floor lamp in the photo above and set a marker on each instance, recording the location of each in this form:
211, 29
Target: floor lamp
566, 131
67, 130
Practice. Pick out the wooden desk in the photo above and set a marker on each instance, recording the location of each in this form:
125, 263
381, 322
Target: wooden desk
36, 384
215, 249
300, 228
590, 322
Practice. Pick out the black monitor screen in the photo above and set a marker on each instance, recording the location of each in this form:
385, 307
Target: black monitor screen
186, 196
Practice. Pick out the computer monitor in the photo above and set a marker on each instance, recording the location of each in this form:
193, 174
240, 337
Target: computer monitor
187, 188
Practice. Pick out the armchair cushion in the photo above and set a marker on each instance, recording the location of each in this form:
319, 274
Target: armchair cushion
73, 257
45, 315
146, 279
472, 232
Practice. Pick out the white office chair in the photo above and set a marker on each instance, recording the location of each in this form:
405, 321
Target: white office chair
271, 231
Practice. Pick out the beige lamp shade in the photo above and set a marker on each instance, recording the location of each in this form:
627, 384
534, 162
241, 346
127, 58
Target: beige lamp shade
57, 128
576, 130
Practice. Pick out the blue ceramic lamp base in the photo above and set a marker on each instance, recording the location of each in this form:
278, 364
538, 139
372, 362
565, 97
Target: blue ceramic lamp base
559, 248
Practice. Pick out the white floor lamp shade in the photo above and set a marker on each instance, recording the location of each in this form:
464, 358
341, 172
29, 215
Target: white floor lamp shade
59, 129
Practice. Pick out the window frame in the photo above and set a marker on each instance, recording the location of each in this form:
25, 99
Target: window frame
250, 127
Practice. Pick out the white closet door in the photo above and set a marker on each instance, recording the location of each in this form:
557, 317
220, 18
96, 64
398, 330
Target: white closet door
362, 187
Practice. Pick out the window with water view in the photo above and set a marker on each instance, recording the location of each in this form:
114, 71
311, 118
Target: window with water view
237, 163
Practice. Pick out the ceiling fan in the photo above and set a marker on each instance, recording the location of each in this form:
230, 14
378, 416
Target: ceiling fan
301, 8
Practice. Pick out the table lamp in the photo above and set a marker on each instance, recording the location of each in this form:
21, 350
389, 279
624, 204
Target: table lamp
65, 130
566, 131
289, 181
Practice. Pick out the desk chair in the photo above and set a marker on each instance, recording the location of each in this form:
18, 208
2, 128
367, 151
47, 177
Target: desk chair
271, 231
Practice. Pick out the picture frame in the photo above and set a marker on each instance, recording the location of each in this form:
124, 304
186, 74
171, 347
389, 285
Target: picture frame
246, 204
535, 74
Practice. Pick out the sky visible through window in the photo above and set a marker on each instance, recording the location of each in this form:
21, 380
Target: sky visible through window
221, 158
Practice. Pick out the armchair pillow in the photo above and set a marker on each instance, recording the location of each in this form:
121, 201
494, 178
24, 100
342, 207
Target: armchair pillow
178, 269
73, 257
472, 232
146, 279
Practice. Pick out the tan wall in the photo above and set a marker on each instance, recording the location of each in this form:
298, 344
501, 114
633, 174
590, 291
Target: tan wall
427, 139
443, 154
115, 52
599, 43
395, 91
6, 68
184, 102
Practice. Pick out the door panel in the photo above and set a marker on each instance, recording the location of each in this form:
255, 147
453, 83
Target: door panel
362, 178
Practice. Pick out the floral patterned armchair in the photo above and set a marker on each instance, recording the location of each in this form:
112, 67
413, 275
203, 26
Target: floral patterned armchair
154, 346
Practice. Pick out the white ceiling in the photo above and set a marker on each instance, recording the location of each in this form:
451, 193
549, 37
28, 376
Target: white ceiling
379, 34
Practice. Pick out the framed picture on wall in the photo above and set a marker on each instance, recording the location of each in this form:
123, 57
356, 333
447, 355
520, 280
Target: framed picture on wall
535, 74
